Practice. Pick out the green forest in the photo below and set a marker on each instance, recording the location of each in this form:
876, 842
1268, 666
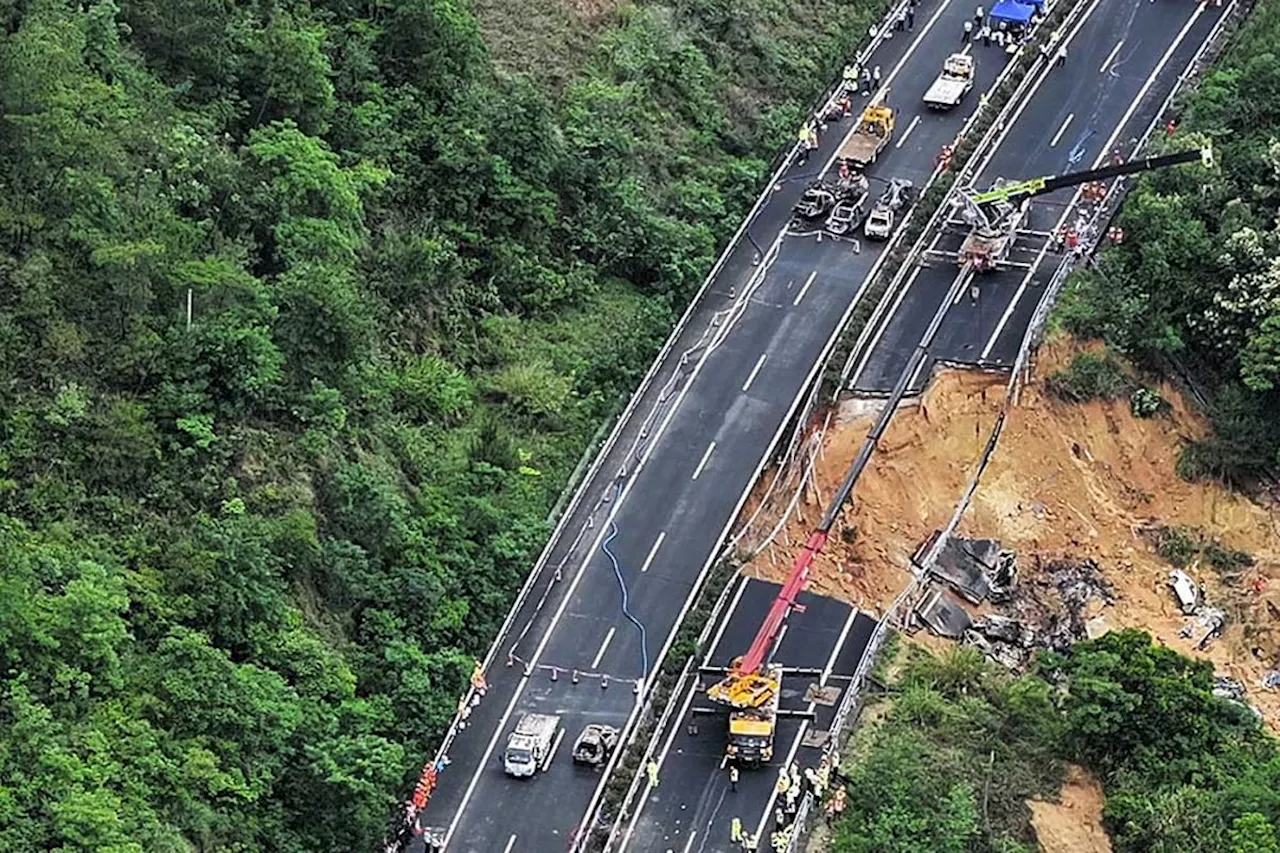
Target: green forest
1194, 289
309, 310
950, 764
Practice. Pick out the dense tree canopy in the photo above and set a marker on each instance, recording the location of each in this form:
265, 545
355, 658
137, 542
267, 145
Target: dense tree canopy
963, 745
1197, 282
247, 556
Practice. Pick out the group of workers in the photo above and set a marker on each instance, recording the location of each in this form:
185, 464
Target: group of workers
790, 789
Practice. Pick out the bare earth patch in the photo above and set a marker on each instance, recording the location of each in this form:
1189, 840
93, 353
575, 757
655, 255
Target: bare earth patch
1070, 481
1074, 824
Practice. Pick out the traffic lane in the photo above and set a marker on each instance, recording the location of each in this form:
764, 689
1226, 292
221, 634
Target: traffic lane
693, 802
687, 750
917, 302
921, 132
705, 804
1006, 341
741, 425
695, 509
530, 808
1097, 99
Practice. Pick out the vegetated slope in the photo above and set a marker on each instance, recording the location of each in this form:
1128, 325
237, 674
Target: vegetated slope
1197, 281
307, 313
961, 754
1067, 480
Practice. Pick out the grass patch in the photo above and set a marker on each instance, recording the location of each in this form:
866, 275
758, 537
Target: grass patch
1090, 376
1180, 546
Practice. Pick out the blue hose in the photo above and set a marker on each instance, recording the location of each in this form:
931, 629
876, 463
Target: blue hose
626, 611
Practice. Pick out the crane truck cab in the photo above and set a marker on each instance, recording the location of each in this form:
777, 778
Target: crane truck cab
530, 746
752, 729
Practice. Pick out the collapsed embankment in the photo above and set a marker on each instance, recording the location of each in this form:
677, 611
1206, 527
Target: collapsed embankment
1067, 481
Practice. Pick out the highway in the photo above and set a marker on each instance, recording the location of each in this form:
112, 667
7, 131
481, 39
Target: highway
1123, 60
655, 507
1131, 64
692, 806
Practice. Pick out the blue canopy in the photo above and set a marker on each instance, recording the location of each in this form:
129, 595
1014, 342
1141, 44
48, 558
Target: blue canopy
1013, 11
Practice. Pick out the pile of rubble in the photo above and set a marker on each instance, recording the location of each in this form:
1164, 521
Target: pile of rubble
1060, 606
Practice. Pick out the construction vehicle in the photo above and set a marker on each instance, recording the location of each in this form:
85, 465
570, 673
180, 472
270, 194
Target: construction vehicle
751, 729
952, 84
595, 744
995, 215
530, 746
868, 139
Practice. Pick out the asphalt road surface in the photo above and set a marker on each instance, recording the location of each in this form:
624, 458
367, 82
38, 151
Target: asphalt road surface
667, 490
1122, 63
691, 809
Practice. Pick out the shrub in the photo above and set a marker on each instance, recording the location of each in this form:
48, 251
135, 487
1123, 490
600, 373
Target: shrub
1090, 376
1145, 402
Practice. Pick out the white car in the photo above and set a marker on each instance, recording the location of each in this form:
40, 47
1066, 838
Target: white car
879, 223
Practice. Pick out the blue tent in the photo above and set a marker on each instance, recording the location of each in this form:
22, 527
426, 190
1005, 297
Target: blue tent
1013, 11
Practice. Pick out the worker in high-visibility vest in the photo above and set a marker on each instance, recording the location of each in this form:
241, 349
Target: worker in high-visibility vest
784, 781
653, 773
735, 830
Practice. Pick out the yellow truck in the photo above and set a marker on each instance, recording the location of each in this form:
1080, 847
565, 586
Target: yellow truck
874, 130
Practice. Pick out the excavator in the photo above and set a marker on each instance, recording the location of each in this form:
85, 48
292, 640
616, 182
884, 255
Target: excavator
995, 215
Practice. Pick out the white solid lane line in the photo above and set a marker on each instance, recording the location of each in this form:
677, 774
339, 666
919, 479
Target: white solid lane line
1111, 56
752, 376
1102, 154
915, 121
1061, 130
805, 289
608, 638
875, 339
648, 561
511, 842
688, 845
705, 457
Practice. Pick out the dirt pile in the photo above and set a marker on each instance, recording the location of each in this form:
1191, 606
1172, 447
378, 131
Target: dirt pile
1074, 824
1067, 481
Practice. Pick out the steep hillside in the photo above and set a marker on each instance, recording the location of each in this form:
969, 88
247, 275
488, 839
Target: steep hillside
308, 310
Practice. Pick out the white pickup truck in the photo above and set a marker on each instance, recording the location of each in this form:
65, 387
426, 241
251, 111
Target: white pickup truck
530, 746
952, 84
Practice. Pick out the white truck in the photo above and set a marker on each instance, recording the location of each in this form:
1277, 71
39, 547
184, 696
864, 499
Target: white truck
529, 746
952, 84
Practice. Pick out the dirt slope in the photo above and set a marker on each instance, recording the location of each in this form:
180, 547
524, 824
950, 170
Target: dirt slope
1074, 824
1076, 481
